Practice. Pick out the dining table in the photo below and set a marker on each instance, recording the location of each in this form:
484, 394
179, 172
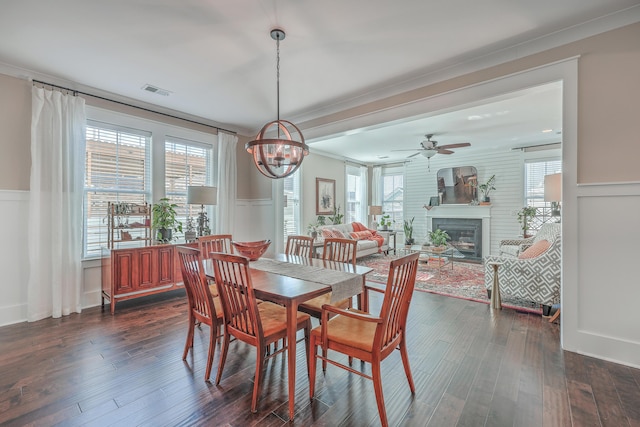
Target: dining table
290, 280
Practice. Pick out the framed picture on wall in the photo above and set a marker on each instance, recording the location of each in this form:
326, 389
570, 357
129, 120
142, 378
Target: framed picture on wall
325, 196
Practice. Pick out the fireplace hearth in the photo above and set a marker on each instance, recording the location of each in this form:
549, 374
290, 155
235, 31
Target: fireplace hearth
465, 233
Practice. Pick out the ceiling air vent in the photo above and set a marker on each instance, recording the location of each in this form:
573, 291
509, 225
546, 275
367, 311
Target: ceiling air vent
156, 90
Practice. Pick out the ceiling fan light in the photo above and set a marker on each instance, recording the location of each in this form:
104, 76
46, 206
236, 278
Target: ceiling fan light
429, 153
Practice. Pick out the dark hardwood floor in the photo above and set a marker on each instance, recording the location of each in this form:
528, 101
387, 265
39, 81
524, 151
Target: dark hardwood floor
471, 366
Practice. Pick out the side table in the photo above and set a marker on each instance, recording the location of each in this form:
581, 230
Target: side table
392, 233
496, 302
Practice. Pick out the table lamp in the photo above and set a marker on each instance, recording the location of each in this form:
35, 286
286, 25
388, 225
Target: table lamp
553, 192
202, 195
374, 211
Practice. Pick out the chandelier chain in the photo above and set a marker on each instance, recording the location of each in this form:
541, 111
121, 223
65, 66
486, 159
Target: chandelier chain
278, 76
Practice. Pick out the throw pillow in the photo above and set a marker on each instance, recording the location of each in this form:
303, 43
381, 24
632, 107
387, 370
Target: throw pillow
537, 249
327, 233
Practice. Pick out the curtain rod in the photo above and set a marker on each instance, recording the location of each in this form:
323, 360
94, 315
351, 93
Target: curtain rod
75, 92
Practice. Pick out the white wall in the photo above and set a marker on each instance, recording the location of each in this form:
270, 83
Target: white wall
506, 200
14, 257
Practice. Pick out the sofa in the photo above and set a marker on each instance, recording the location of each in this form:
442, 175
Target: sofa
529, 268
365, 246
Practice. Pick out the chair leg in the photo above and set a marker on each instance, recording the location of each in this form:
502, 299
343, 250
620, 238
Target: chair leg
307, 333
324, 362
257, 384
312, 362
405, 363
213, 337
189, 343
223, 355
377, 387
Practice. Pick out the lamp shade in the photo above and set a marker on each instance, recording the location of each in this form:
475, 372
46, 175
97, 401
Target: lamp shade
553, 187
202, 195
375, 210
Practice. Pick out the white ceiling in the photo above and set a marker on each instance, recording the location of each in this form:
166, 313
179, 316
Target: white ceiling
217, 59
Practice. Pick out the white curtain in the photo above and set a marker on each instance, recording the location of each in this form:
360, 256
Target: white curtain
364, 209
376, 186
58, 127
227, 183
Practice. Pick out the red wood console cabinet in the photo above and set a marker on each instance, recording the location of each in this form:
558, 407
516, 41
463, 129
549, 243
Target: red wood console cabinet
136, 272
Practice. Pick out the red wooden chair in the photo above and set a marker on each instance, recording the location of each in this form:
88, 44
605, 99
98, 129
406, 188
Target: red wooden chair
215, 243
366, 337
203, 307
301, 246
339, 250
256, 324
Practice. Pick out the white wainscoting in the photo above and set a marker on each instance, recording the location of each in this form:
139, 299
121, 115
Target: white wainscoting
600, 296
14, 255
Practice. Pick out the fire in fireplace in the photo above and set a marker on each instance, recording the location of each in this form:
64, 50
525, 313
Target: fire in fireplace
466, 235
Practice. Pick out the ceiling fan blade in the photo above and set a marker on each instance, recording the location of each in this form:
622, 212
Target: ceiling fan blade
458, 145
441, 151
413, 155
415, 149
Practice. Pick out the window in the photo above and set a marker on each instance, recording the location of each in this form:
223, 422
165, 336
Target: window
392, 196
116, 170
356, 195
292, 214
186, 163
534, 173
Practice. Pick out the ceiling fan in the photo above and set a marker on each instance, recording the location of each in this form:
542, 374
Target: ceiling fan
430, 147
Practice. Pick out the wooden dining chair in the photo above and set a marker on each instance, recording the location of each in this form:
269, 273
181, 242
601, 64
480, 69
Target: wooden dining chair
256, 324
338, 250
203, 307
366, 337
215, 243
301, 246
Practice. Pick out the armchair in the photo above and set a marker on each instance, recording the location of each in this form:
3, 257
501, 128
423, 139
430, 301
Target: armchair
535, 279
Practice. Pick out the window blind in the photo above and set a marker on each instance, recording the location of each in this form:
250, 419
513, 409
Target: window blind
116, 170
187, 163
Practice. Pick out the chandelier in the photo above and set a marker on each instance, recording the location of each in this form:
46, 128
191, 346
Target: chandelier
279, 148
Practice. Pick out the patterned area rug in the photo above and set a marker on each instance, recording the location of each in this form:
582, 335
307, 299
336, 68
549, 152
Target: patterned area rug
465, 280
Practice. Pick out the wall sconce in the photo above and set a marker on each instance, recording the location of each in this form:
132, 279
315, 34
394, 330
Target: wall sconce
553, 192
202, 195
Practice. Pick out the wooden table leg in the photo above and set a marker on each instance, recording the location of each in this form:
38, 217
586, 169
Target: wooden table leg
496, 301
292, 316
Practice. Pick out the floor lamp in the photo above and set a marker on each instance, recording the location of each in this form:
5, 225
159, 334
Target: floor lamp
202, 195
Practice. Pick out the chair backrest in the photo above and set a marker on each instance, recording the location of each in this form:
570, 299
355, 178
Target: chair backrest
196, 285
549, 231
233, 280
395, 305
215, 243
340, 250
300, 246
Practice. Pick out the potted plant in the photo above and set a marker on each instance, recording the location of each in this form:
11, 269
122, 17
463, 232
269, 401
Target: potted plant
385, 221
336, 218
322, 220
313, 230
486, 188
190, 234
439, 239
408, 232
524, 218
165, 220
